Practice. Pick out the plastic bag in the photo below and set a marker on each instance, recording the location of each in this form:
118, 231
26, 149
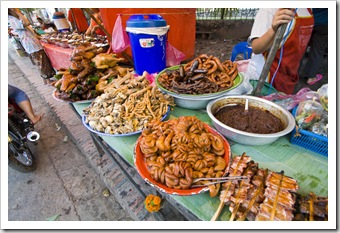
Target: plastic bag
156, 31
323, 96
255, 66
120, 40
242, 65
173, 55
321, 126
308, 113
288, 101
310, 95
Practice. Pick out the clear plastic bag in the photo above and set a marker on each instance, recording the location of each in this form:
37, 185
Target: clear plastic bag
310, 95
288, 101
120, 40
323, 96
255, 66
308, 113
321, 126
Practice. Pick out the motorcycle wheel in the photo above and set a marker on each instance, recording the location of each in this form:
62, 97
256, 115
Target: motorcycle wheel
15, 150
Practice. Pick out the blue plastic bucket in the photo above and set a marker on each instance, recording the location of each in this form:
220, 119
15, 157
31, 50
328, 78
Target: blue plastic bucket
148, 36
61, 22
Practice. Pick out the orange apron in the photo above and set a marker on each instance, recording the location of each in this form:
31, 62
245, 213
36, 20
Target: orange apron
293, 51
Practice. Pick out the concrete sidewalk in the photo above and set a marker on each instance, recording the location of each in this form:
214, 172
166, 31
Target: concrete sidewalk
111, 171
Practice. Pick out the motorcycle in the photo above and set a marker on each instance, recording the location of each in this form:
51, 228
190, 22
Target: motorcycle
20, 134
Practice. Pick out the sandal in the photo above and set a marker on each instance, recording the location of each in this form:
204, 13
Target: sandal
318, 77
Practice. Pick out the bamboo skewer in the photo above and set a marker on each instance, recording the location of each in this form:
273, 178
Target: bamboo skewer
233, 214
222, 203
251, 203
238, 203
311, 207
276, 197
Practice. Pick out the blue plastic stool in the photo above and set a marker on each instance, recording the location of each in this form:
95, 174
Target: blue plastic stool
242, 48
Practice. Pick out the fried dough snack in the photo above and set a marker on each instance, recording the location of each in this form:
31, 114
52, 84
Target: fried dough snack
180, 150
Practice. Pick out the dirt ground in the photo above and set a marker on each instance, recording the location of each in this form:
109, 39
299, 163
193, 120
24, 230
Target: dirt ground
218, 47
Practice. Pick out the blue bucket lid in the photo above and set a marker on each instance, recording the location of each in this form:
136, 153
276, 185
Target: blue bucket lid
58, 15
145, 21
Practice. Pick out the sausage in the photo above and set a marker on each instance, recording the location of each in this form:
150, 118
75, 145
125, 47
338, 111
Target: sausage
197, 77
194, 65
200, 71
181, 71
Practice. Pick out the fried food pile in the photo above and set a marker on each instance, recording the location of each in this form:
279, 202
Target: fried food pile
89, 73
127, 105
180, 150
204, 74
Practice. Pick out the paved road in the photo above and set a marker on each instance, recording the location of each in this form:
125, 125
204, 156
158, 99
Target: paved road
64, 183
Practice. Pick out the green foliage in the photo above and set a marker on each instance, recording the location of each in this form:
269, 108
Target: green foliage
229, 12
225, 13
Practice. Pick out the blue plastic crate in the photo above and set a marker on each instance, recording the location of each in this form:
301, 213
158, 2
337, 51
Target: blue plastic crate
310, 140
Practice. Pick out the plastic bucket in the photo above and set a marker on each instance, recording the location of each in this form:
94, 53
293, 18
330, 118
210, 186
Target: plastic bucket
148, 36
61, 22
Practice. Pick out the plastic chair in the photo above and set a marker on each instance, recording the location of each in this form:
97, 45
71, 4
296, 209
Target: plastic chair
241, 48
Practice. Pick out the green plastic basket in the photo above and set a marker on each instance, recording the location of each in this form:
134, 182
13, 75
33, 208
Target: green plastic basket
266, 89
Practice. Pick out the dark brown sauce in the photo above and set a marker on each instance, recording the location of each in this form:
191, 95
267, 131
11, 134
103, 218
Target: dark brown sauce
255, 120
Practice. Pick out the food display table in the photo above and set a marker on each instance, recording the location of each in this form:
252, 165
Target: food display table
308, 168
59, 56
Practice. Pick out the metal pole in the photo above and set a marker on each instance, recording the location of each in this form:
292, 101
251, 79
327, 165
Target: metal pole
74, 21
272, 52
90, 13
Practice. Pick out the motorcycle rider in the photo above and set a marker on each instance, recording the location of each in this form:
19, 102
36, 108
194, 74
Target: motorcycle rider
22, 100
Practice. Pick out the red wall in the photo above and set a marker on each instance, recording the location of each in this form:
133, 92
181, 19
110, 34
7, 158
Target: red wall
182, 23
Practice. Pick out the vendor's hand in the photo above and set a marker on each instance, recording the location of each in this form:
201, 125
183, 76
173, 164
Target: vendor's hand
283, 15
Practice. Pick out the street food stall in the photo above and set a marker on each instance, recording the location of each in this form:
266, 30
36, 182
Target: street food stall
295, 161
59, 56
181, 38
212, 154
115, 116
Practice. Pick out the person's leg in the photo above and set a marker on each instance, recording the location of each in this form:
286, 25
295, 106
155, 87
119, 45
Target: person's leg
317, 51
27, 108
23, 102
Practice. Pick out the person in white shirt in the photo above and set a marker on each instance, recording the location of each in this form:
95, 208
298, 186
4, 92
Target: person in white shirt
283, 73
